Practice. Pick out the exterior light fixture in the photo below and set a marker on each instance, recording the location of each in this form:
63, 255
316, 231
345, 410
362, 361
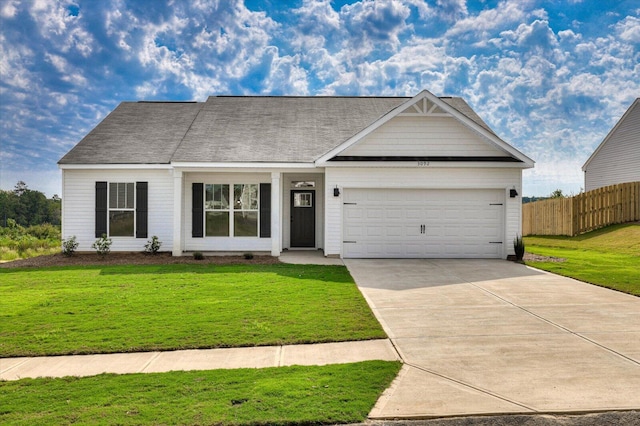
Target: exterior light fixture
513, 193
336, 191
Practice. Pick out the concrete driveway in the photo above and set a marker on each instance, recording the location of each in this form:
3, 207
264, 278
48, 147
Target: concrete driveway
491, 336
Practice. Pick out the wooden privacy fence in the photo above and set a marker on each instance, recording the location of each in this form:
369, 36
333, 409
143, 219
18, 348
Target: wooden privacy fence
583, 212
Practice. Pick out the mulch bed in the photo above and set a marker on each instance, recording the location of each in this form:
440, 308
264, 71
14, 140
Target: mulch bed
133, 259
166, 258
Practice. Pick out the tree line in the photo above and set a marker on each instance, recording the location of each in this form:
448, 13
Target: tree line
28, 207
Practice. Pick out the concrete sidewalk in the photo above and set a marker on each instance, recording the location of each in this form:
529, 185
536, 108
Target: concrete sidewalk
197, 359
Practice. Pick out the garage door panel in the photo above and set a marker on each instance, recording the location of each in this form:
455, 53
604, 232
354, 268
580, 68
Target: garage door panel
423, 223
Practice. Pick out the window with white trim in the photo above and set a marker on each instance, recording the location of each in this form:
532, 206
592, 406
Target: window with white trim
122, 209
238, 218
216, 205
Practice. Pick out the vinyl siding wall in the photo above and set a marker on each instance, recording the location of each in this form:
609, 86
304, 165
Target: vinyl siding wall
416, 178
422, 136
618, 160
78, 206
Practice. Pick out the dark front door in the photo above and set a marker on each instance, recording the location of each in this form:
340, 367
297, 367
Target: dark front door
303, 218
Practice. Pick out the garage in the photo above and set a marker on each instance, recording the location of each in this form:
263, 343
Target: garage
423, 223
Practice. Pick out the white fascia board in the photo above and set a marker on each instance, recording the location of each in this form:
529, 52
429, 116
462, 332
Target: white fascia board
241, 167
432, 164
493, 139
611, 132
114, 166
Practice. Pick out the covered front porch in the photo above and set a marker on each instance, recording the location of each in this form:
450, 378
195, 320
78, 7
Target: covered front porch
240, 210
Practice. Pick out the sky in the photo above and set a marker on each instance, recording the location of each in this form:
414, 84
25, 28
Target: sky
550, 77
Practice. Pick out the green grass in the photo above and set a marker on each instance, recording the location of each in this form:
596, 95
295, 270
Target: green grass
81, 310
341, 393
609, 257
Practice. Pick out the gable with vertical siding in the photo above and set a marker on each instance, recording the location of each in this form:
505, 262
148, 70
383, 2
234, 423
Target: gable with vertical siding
617, 158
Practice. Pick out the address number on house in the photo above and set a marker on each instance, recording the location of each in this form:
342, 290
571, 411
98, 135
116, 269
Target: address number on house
423, 163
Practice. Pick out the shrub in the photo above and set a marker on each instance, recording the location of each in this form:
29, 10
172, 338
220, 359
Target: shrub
248, 256
102, 245
46, 231
197, 255
69, 246
152, 245
518, 246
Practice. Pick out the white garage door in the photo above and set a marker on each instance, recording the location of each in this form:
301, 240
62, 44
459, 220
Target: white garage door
423, 223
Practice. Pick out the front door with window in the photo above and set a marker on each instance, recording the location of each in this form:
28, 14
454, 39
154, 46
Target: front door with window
303, 219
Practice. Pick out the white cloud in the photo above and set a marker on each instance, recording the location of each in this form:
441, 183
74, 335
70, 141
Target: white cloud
373, 25
61, 27
629, 29
451, 10
14, 65
506, 12
9, 9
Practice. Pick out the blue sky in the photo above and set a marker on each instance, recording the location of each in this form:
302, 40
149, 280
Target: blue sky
550, 77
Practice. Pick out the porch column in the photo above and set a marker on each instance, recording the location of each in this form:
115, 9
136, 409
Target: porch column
276, 219
177, 213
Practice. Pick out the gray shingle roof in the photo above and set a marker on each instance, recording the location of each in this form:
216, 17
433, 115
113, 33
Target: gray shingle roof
277, 129
136, 133
234, 129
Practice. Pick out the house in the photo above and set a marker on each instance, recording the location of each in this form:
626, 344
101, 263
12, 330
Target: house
359, 177
617, 158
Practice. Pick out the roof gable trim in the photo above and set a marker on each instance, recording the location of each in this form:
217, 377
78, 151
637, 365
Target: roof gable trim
426, 103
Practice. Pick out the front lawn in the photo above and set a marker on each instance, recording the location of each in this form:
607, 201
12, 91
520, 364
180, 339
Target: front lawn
341, 393
106, 309
609, 257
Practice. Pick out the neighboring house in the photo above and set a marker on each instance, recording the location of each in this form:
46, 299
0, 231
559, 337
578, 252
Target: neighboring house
353, 176
617, 158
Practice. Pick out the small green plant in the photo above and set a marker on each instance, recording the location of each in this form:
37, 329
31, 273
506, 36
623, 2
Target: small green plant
518, 246
69, 246
102, 245
152, 245
197, 255
248, 255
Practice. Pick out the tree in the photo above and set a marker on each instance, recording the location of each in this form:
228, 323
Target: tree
557, 194
20, 188
28, 207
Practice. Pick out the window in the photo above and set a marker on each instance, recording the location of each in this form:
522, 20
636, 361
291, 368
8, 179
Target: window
301, 184
245, 214
302, 199
121, 209
216, 204
240, 218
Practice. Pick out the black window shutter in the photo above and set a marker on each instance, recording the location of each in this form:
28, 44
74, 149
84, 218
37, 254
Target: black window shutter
101, 209
265, 210
141, 209
197, 209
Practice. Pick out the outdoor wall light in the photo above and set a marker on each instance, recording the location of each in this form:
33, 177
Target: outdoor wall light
336, 192
513, 193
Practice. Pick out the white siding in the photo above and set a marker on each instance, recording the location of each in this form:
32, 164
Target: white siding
618, 159
423, 136
418, 178
78, 206
210, 244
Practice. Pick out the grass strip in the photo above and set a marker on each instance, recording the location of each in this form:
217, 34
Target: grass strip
339, 393
609, 257
108, 309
